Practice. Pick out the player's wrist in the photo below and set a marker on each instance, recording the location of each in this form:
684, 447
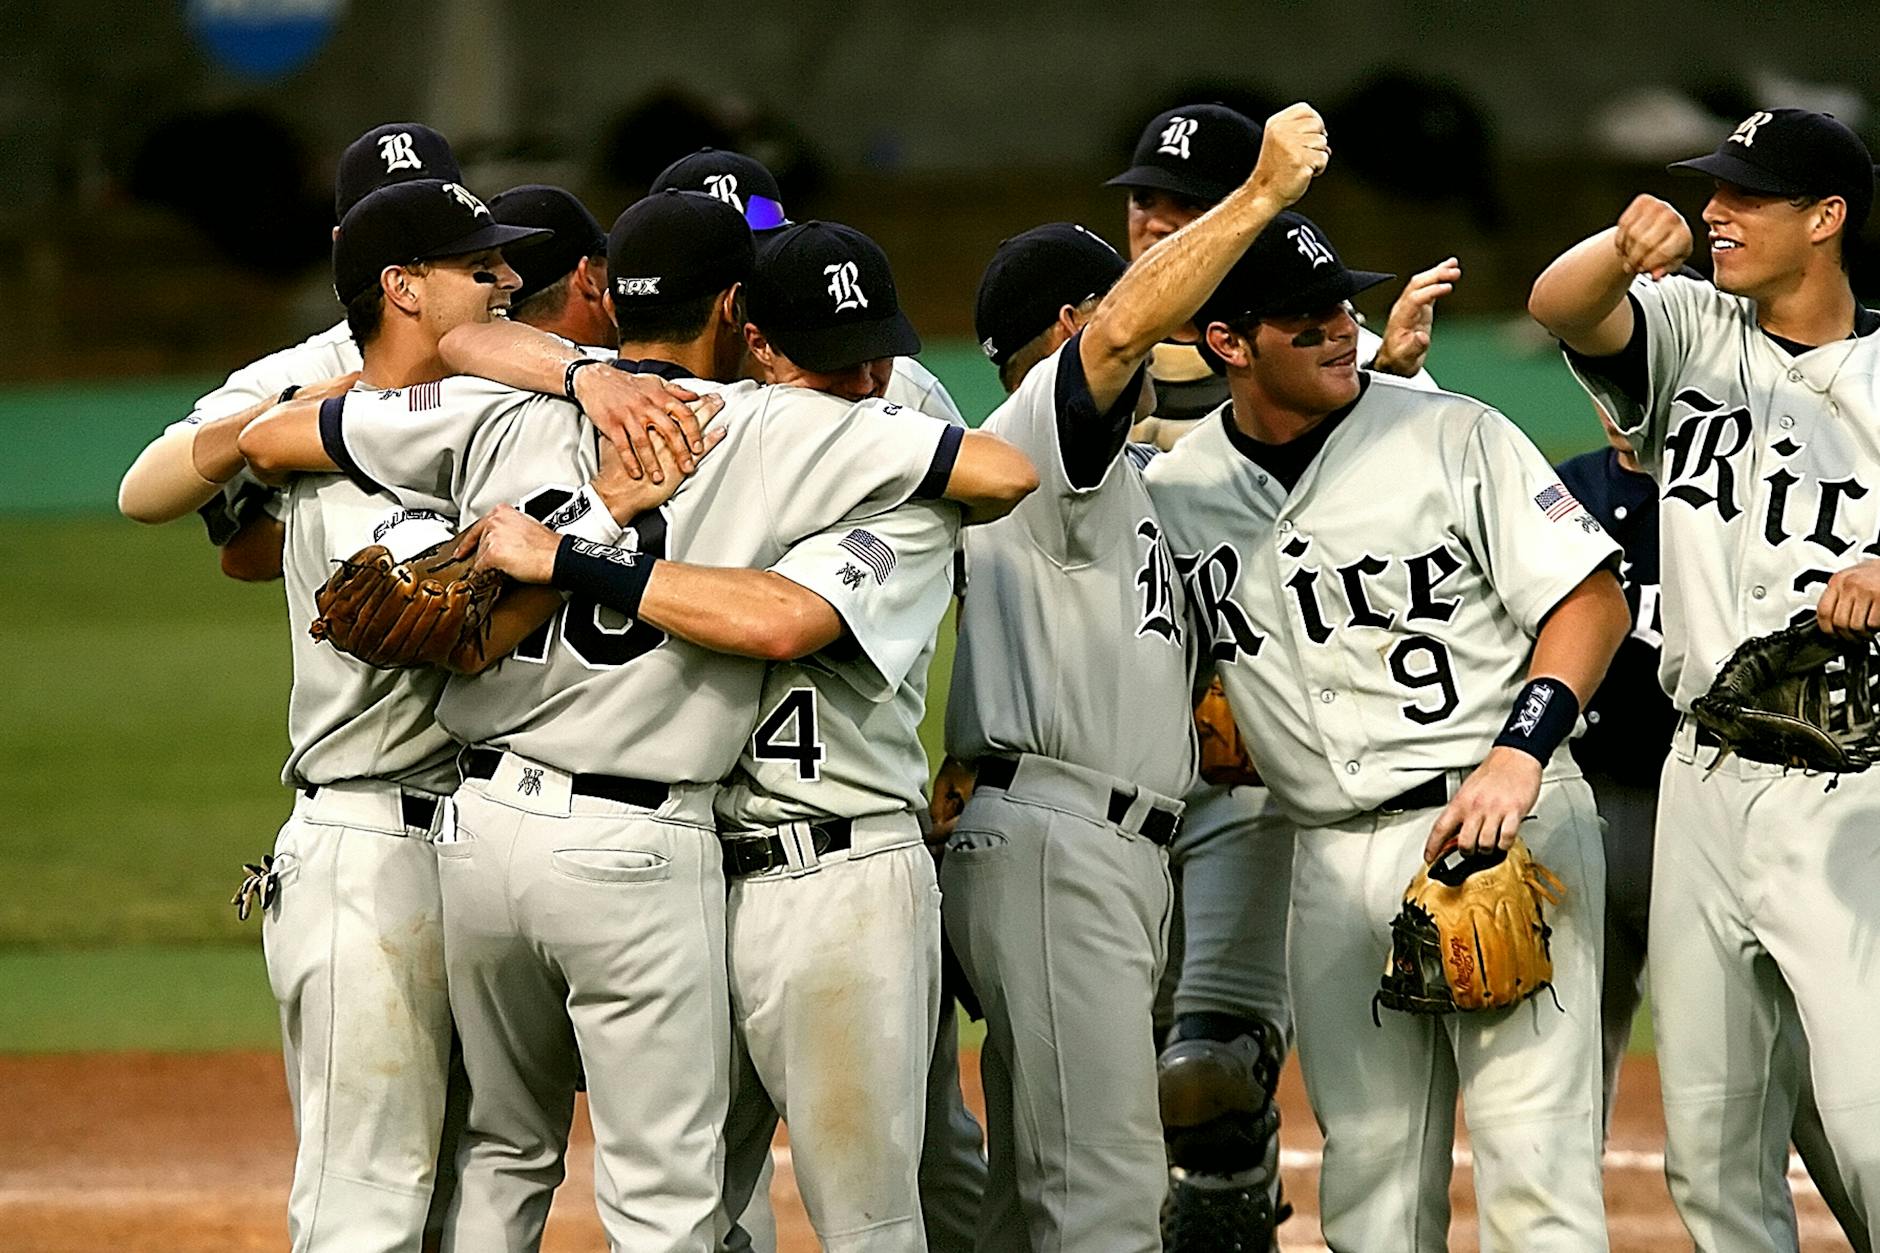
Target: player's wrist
1543, 717
571, 377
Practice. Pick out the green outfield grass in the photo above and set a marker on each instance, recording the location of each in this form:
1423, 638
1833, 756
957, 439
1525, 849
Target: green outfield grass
145, 712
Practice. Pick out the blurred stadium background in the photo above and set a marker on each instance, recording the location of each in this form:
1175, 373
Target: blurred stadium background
165, 201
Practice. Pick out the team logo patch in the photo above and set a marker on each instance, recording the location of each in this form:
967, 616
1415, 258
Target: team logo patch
1557, 502
1175, 136
843, 285
398, 154
531, 782
1745, 133
874, 554
851, 575
402, 516
424, 396
724, 187
1310, 246
638, 286
463, 196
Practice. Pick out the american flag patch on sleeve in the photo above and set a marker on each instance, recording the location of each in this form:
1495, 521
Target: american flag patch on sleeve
872, 552
1557, 502
424, 396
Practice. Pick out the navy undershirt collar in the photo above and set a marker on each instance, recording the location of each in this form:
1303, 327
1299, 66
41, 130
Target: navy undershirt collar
653, 365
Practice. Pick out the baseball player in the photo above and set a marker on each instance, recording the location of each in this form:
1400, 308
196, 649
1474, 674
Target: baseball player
1222, 1012
564, 279
1386, 573
178, 472
352, 915
1057, 894
1751, 404
833, 916
585, 906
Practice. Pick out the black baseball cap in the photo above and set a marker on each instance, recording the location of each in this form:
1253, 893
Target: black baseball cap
416, 221
575, 234
677, 245
744, 183
823, 293
396, 152
1202, 151
1794, 152
1034, 275
1290, 268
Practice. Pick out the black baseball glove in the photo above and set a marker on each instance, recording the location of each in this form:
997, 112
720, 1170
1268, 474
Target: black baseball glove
1797, 697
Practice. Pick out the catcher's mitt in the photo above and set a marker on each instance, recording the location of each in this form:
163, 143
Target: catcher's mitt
419, 612
1470, 934
1796, 697
1225, 761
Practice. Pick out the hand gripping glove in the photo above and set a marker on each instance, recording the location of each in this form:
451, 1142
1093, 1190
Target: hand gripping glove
1225, 761
393, 614
1471, 935
1797, 697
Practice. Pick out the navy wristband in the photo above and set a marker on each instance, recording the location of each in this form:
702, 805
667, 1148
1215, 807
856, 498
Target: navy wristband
1544, 714
615, 577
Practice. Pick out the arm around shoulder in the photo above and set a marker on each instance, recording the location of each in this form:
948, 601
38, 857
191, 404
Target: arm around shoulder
989, 477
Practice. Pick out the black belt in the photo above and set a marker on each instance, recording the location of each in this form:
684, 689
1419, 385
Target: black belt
481, 763
1432, 793
416, 809
1158, 825
1706, 738
754, 854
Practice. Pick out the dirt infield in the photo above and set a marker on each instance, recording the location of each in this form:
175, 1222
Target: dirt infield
142, 1153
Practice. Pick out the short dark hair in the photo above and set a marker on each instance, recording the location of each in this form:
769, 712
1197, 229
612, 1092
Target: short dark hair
548, 301
675, 323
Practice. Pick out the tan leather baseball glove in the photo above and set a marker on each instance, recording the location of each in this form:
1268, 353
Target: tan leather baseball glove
1225, 761
394, 614
1471, 934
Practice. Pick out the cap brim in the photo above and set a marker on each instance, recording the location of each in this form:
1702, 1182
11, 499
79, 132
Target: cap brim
1741, 173
1156, 178
495, 235
826, 349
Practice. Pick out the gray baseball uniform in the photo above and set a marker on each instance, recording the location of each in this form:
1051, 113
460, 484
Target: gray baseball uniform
1371, 623
354, 939
1764, 454
1071, 692
835, 951
584, 897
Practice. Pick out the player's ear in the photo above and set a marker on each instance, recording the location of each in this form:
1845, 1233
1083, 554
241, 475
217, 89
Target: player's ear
396, 280
1830, 213
731, 305
1228, 344
1068, 320
590, 276
759, 346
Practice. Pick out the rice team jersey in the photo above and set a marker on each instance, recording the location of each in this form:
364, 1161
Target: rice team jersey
1372, 626
1767, 464
345, 719
1075, 641
593, 691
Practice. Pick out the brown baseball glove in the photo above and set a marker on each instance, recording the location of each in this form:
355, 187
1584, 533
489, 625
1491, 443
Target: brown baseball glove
1470, 934
1225, 761
394, 614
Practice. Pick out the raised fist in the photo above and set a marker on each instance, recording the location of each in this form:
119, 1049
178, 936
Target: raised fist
1293, 151
1652, 237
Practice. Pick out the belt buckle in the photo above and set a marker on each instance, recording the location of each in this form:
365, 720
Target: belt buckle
750, 854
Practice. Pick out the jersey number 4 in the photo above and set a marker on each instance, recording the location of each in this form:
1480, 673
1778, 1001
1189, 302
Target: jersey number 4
794, 716
586, 629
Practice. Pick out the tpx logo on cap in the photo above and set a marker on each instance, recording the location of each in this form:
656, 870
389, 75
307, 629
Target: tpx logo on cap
844, 287
637, 286
724, 187
463, 197
1175, 136
1310, 246
398, 152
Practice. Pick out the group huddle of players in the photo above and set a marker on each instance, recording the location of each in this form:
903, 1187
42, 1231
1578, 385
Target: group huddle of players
660, 826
